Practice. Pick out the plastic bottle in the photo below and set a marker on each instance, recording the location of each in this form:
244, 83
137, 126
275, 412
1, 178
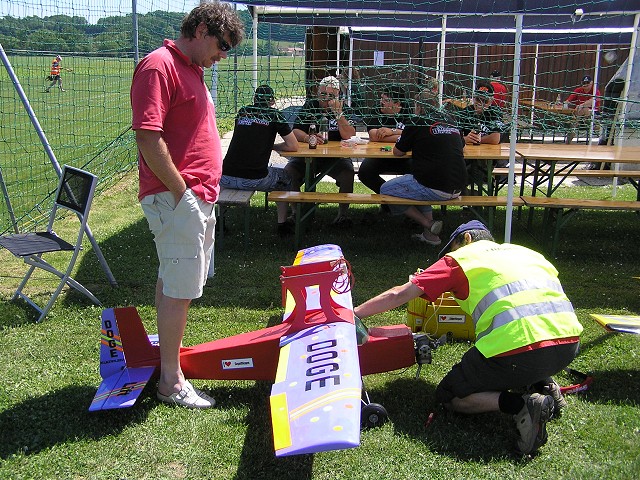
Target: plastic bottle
313, 141
558, 100
324, 129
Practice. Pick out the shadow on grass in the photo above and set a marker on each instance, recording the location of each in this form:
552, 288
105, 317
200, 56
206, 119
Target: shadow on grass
463, 437
257, 456
61, 416
606, 387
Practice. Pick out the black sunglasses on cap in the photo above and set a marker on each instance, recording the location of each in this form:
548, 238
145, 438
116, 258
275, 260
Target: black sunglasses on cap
224, 46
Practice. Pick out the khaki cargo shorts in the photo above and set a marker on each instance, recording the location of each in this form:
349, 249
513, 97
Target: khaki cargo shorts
184, 235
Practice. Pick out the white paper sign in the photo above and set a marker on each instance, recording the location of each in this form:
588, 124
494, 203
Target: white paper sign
378, 58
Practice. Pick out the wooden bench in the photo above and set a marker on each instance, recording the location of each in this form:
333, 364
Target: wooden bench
230, 197
472, 201
632, 175
558, 211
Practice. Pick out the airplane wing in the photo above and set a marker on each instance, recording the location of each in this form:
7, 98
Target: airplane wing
121, 385
618, 323
316, 397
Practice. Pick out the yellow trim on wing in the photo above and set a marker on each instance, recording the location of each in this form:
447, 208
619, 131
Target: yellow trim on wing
280, 421
283, 362
342, 394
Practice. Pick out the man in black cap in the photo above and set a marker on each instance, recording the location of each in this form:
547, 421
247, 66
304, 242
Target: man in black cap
582, 97
525, 327
246, 165
481, 122
583, 100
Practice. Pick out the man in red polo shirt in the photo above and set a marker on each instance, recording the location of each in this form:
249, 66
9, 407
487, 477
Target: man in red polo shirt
180, 164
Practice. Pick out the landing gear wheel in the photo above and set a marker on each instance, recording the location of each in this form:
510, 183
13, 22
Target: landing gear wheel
373, 415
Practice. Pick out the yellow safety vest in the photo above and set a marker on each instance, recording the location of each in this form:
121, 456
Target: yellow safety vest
515, 298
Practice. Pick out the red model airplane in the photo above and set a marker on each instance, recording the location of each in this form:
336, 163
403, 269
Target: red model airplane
314, 357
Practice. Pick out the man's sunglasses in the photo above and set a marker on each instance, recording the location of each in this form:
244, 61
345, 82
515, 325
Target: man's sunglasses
325, 95
224, 46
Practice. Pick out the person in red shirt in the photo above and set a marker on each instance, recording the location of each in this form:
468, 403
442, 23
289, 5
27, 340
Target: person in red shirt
499, 89
526, 329
582, 98
54, 74
584, 102
180, 164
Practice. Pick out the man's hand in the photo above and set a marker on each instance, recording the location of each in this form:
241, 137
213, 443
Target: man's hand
335, 106
473, 138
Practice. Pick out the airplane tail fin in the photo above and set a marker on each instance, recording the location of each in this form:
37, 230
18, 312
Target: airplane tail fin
124, 378
136, 344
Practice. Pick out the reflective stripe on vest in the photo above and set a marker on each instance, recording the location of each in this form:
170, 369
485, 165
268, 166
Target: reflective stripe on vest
522, 311
515, 298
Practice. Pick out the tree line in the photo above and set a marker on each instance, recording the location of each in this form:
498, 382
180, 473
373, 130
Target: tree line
113, 36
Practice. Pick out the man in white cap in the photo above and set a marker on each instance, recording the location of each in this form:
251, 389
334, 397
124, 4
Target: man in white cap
340, 126
525, 326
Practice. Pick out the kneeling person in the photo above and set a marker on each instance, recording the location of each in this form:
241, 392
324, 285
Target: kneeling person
525, 326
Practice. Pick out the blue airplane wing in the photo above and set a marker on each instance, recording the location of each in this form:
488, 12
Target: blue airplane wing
316, 397
122, 389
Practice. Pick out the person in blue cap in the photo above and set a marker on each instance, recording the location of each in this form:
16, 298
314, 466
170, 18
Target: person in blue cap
525, 326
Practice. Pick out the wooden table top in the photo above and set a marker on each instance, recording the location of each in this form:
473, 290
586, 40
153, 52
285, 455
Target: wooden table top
548, 106
558, 152
372, 150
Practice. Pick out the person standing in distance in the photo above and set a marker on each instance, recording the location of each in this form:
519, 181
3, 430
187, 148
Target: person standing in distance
55, 74
180, 164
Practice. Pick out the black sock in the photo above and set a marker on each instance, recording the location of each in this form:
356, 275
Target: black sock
511, 403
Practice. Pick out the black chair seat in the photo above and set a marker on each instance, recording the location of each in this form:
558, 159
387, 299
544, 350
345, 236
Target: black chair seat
24, 244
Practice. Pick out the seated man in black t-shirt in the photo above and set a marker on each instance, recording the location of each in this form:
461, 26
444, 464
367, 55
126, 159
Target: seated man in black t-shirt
481, 122
386, 126
246, 165
340, 127
438, 171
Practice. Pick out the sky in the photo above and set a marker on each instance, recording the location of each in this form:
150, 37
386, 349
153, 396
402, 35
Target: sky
92, 10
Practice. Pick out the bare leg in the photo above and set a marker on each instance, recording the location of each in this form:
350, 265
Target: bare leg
424, 219
345, 180
283, 208
481, 402
172, 319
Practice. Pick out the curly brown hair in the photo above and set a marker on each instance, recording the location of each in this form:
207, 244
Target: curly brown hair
218, 17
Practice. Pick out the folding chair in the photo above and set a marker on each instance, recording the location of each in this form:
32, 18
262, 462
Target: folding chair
75, 193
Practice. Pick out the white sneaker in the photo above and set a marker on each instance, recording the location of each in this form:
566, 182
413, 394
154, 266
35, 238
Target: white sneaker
436, 227
188, 397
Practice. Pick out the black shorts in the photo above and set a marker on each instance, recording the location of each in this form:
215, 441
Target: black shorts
475, 373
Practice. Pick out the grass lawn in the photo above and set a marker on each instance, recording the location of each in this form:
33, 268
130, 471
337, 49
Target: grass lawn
50, 369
